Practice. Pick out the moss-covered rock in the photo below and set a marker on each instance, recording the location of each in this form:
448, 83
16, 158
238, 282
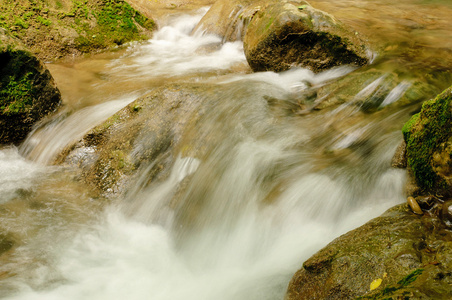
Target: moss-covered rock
283, 34
58, 28
278, 35
27, 90
428, 136
399, 255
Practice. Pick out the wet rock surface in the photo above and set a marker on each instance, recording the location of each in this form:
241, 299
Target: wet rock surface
409, 254
27, 90
283, 35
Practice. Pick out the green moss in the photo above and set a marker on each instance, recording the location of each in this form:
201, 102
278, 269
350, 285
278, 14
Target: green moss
409, 125
16, 81
109, 122
423, 134
136, 108
410, 278
118, 158
21, 23
99, 23
116, 24
27, 15
43, 21
17, 94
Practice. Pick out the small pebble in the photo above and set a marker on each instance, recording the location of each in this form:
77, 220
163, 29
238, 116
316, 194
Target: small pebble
412, 203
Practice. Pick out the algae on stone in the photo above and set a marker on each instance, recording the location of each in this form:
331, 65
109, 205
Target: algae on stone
428, 136
54, 29
27, 90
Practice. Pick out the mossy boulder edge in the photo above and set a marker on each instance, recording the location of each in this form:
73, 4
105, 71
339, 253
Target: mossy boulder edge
428, 136
27, 90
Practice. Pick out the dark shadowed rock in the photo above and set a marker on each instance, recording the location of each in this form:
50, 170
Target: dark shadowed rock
27, 90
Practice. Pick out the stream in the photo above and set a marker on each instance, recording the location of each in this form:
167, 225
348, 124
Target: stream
275, 186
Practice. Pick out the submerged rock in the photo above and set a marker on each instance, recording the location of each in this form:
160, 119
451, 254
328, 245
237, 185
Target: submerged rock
411, 254
282, 35
142, 135
27, 90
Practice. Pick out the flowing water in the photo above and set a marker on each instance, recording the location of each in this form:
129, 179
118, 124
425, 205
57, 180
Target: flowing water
276, 183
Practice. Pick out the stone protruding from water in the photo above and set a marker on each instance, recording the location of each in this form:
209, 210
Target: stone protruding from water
282, 35
279, 35
27, 90
428, 136
407, 254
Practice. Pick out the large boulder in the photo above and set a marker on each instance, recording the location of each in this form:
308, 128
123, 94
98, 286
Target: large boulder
428, 136
279, 35
282, 35
27, 90
398, 255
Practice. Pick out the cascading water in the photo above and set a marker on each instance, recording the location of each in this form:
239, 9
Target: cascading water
272, 189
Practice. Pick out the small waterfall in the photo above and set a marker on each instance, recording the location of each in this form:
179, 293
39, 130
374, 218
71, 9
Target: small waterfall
234, 32
174, 51
44, 143
235, 222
